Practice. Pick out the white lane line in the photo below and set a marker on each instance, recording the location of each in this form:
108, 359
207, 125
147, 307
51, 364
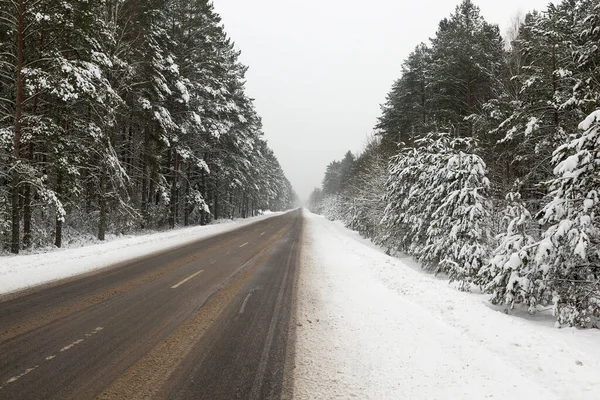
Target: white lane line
16, 378
92, 333
244, 303
243, 244
247, 298
67, 347
187, 279
70, 346
262, 234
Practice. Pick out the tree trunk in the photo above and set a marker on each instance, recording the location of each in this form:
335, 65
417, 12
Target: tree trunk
20, 99
129, 165
186, 200
59, 220
216, 196
203, 193
173, 208
554, 86
27, 241
102, 223
145, 177
27, 211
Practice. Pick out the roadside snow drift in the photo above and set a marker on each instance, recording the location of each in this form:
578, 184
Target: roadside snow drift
372, 326
23, 271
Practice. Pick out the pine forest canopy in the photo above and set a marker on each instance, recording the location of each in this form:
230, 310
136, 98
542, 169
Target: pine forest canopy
486, 162
120, 115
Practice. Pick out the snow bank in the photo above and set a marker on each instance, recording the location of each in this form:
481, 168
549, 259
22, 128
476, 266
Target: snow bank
23, 271
372, 326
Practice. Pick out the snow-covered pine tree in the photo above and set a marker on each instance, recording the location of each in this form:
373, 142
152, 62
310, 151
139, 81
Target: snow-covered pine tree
457, 236
406, 216
567, 263
406, 114
365, 189
437, 209
505, 276
535, 107
586, 89
464, 64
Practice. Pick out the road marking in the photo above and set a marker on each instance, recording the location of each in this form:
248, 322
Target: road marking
92, 333
244, 303
66, 348
16, 378
247, 298
262, 234
243, 244
187, 279
70, 346
213, 261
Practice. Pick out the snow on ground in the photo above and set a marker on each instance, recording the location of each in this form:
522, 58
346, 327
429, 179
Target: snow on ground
372, 326
23, 271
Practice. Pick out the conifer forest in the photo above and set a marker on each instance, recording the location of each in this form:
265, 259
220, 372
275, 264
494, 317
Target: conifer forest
485, 165
118, 116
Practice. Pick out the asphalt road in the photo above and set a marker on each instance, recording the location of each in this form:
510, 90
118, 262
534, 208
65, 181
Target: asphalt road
208, 320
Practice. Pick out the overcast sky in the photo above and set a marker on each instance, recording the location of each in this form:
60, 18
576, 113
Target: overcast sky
319, 69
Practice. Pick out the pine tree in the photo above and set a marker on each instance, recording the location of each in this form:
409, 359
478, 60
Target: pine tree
568, 257
458, 235
405, 116
505, 276
466, 57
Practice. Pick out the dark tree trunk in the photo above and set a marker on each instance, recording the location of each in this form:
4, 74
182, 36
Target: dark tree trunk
27, 211
203, 193
216, 196
59, 218
19, 103
129, 165
554, 86
173, 206
145, 177
186, 200
102, 223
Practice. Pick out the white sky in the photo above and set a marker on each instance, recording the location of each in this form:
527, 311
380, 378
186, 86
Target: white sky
319, 69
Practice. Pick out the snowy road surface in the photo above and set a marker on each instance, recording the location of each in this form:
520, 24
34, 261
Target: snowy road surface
204, 320
372, 326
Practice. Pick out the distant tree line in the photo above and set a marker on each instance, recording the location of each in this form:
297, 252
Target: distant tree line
118, 115
486, 161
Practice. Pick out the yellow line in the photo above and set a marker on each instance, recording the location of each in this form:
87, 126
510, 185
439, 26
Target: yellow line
187, 279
